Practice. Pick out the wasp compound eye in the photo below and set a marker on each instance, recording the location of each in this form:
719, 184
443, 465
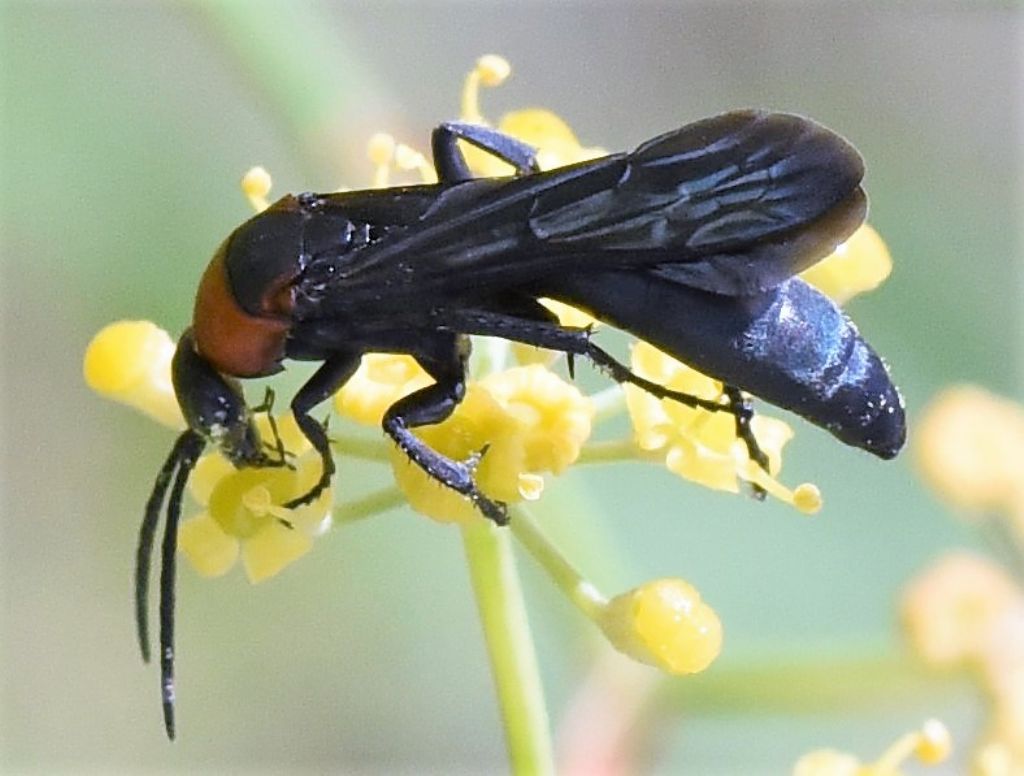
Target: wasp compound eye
213, 405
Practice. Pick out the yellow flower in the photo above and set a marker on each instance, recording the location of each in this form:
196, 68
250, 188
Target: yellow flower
995, 757
1003, 661
243, 512
130, 362
970, 447
664, 623
1001, 750
951, 611
931, 745
700, 445
860, 264
381, 380
552, 418
256, 185
527, 419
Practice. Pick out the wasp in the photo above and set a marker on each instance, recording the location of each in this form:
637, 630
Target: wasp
690, 242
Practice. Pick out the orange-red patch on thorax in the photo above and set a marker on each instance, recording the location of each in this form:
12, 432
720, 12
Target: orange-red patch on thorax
232, 340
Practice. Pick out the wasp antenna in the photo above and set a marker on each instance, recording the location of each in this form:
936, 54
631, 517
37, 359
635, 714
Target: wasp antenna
144, 553
187, 450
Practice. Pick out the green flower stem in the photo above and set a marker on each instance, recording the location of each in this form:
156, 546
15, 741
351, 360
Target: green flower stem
499, 600
372, 504
802, 681
358, 447
296, 56
1004, 542
614, 451
587, 598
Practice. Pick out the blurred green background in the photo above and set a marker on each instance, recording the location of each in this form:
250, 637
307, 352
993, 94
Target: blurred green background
125, 129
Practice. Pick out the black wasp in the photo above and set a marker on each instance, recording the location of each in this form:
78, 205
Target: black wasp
690, 242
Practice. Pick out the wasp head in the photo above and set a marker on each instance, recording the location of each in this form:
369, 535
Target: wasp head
214, 406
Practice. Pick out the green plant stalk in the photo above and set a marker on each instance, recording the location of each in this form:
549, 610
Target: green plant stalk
608, 403
293, 54
587, 598
372, 504
360, 447
296, 60
499, 600
613, 451
796, 679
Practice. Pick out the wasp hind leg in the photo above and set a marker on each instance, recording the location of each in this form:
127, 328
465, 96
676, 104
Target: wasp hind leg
450, 162
743, 411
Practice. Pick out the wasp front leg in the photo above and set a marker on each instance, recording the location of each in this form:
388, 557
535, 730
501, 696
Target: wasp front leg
331, 375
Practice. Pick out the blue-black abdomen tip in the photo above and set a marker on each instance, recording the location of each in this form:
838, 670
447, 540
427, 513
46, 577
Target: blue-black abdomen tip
875, 419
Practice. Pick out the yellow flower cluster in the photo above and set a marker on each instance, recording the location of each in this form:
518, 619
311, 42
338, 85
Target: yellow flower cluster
930, 745
381, 380
527, 419
130, 362
957, 611
700, 445
970, 449
965, 610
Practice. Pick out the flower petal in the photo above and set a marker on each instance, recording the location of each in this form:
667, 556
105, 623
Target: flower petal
210, 469
271, 550
211, 552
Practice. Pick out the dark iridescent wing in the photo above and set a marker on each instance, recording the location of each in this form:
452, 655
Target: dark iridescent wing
731, 204
716, 184
735, 204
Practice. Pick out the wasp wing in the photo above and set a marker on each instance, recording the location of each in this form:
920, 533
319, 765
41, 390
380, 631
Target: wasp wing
717, 184
732, 204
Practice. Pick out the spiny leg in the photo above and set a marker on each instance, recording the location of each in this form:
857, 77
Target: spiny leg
743, 411
577, 341
331, 375
147, 533
450, 162
431, 405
